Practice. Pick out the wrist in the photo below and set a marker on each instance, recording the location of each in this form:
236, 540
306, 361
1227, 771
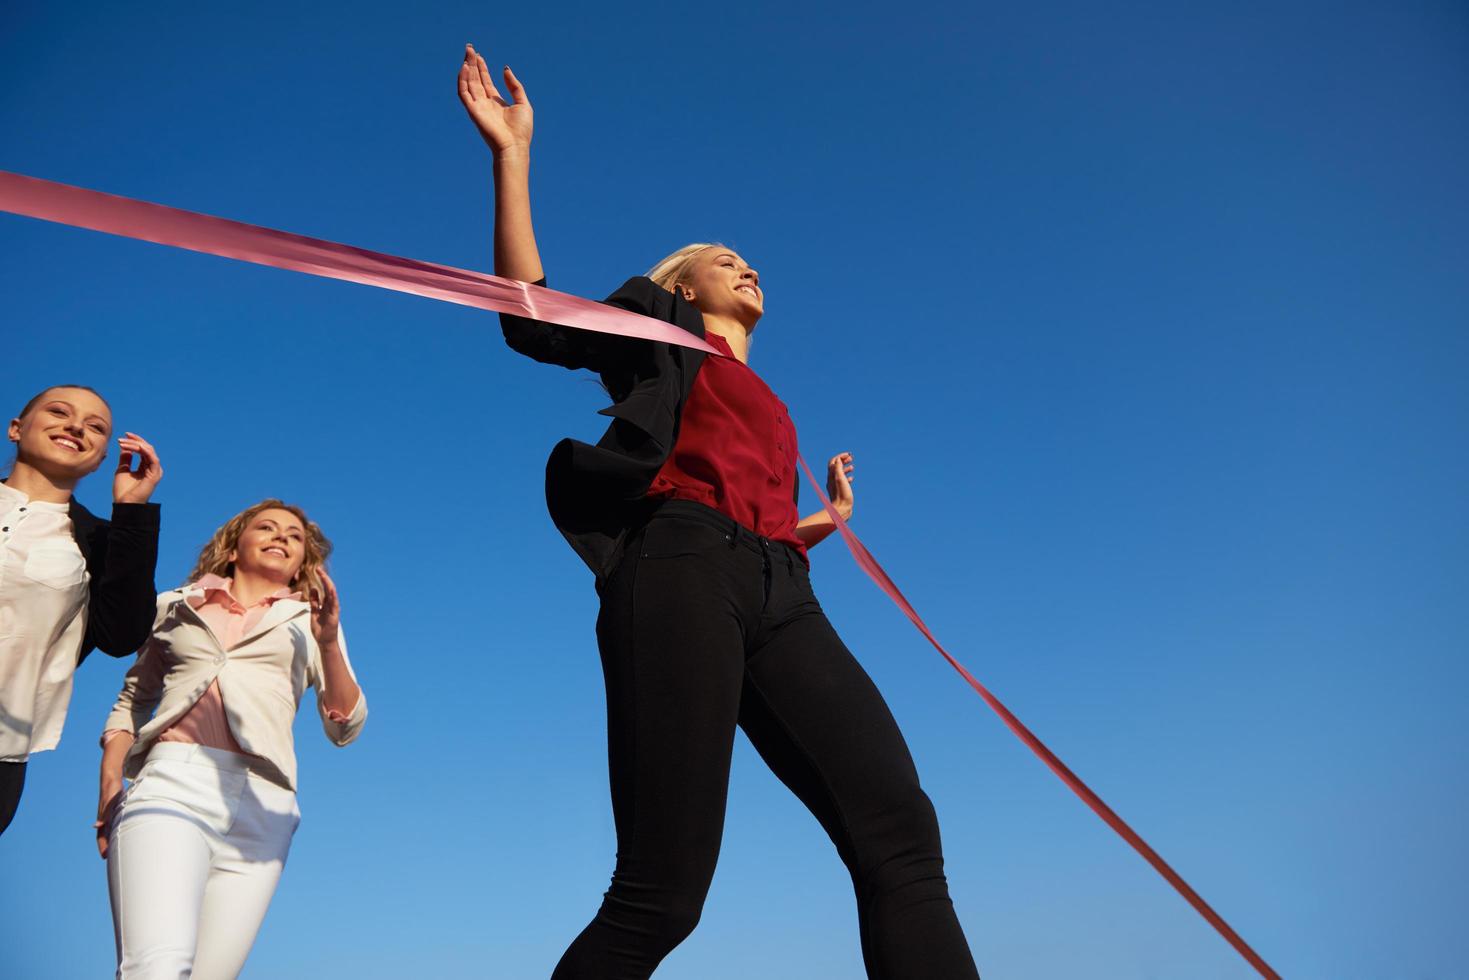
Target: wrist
514, 155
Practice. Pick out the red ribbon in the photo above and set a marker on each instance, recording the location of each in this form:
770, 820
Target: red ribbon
142, 220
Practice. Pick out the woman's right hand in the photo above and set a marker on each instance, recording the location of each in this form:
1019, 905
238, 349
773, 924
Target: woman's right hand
504, 125
109, 796
116, 742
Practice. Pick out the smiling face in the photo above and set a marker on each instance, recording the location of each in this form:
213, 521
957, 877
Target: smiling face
720, 283
63, 433
272, 545
272, 539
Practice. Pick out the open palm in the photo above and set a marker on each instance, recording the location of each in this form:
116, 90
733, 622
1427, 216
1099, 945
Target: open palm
504, 125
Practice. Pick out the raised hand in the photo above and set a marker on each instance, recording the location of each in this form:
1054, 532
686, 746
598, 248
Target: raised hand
504, 125
839, 484
326, 613
326, 620
131, 486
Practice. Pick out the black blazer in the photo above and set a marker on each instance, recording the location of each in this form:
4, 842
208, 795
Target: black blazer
596, 493
121, 557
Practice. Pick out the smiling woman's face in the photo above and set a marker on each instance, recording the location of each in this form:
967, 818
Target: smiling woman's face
64, 434
721, 283
272, 546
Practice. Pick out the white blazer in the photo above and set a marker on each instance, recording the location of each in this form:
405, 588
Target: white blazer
261, 680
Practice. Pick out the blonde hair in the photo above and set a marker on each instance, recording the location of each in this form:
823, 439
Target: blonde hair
214, 559
671, 271
46, 391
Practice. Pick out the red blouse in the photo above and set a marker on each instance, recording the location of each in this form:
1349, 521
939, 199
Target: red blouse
736, 450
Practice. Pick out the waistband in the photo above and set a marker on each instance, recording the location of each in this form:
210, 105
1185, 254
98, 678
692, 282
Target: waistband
738, 535
205, 755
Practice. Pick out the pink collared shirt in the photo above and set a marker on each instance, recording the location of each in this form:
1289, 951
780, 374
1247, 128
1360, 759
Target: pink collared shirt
206, 723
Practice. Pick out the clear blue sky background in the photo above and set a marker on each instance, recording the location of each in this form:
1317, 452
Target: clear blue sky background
1148, 324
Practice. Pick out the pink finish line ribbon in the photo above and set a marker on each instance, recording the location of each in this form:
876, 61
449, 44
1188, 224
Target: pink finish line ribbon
68, 205
82, 208
874, 571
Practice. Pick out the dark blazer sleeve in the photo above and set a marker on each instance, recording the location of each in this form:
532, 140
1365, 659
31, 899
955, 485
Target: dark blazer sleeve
121, 558
552, 343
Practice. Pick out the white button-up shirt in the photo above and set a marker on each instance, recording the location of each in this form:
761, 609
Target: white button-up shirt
43, 616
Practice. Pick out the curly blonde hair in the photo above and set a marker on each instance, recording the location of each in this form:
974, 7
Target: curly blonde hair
672, 270
214, 558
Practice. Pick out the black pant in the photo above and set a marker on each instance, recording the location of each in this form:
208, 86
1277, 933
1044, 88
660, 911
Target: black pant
705, 626
12, 781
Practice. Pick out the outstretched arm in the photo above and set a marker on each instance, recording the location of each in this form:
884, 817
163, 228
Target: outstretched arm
506, 128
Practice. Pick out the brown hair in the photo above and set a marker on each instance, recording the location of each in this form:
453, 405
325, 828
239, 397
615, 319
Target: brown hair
214, 558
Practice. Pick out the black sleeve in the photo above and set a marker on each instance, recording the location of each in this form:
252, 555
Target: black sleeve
567, 347
121, 598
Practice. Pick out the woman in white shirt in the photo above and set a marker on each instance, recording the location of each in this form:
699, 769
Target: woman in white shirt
69, 582
196, 845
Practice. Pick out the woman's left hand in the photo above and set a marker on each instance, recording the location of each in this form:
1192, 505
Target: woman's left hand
326, 620
130, 486
326, 613
839, 484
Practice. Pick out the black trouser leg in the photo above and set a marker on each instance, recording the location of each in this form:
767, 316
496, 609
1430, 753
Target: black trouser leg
673, 658
820, 724
12, 781
698, 632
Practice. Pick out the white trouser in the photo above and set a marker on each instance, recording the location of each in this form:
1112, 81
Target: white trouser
193, 858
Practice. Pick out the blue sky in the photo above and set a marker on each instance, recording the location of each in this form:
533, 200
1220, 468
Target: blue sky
1146, 323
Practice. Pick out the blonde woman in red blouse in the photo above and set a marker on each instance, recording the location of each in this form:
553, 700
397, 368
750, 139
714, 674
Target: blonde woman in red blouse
685, 511
197, 843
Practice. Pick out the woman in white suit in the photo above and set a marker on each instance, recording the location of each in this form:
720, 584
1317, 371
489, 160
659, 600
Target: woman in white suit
196, 845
